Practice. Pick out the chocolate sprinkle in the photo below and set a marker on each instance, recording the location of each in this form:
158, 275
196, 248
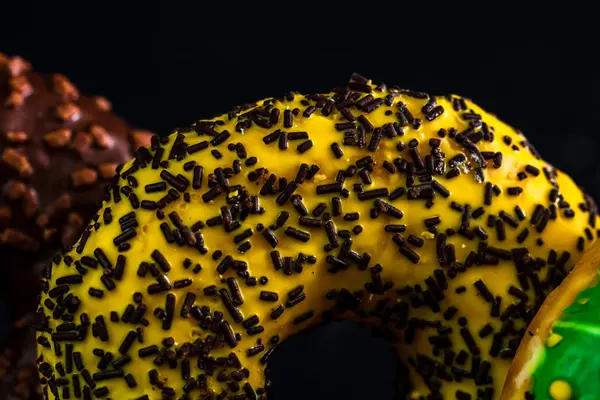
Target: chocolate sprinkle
241, 194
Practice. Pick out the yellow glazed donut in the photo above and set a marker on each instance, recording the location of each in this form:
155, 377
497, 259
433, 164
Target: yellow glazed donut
423, 215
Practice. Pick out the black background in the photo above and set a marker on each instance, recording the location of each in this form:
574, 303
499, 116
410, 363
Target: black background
544, 85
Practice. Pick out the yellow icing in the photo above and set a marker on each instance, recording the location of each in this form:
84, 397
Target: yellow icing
560, 234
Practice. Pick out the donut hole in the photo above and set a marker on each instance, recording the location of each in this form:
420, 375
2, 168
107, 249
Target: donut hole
338, 360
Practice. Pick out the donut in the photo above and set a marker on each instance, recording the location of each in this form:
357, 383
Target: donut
557, 358
58, 149
422, 215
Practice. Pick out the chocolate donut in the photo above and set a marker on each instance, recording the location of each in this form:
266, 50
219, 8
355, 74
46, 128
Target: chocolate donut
58, 148
423, 215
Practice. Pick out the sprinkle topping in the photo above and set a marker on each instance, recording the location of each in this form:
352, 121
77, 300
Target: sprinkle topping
381, 202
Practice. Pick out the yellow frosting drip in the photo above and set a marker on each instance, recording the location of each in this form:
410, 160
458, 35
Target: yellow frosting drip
560, 234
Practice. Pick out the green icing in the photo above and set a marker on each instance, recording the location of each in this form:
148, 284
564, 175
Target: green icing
576, 359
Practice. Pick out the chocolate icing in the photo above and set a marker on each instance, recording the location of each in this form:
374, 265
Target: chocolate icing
98, 138
58, 149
